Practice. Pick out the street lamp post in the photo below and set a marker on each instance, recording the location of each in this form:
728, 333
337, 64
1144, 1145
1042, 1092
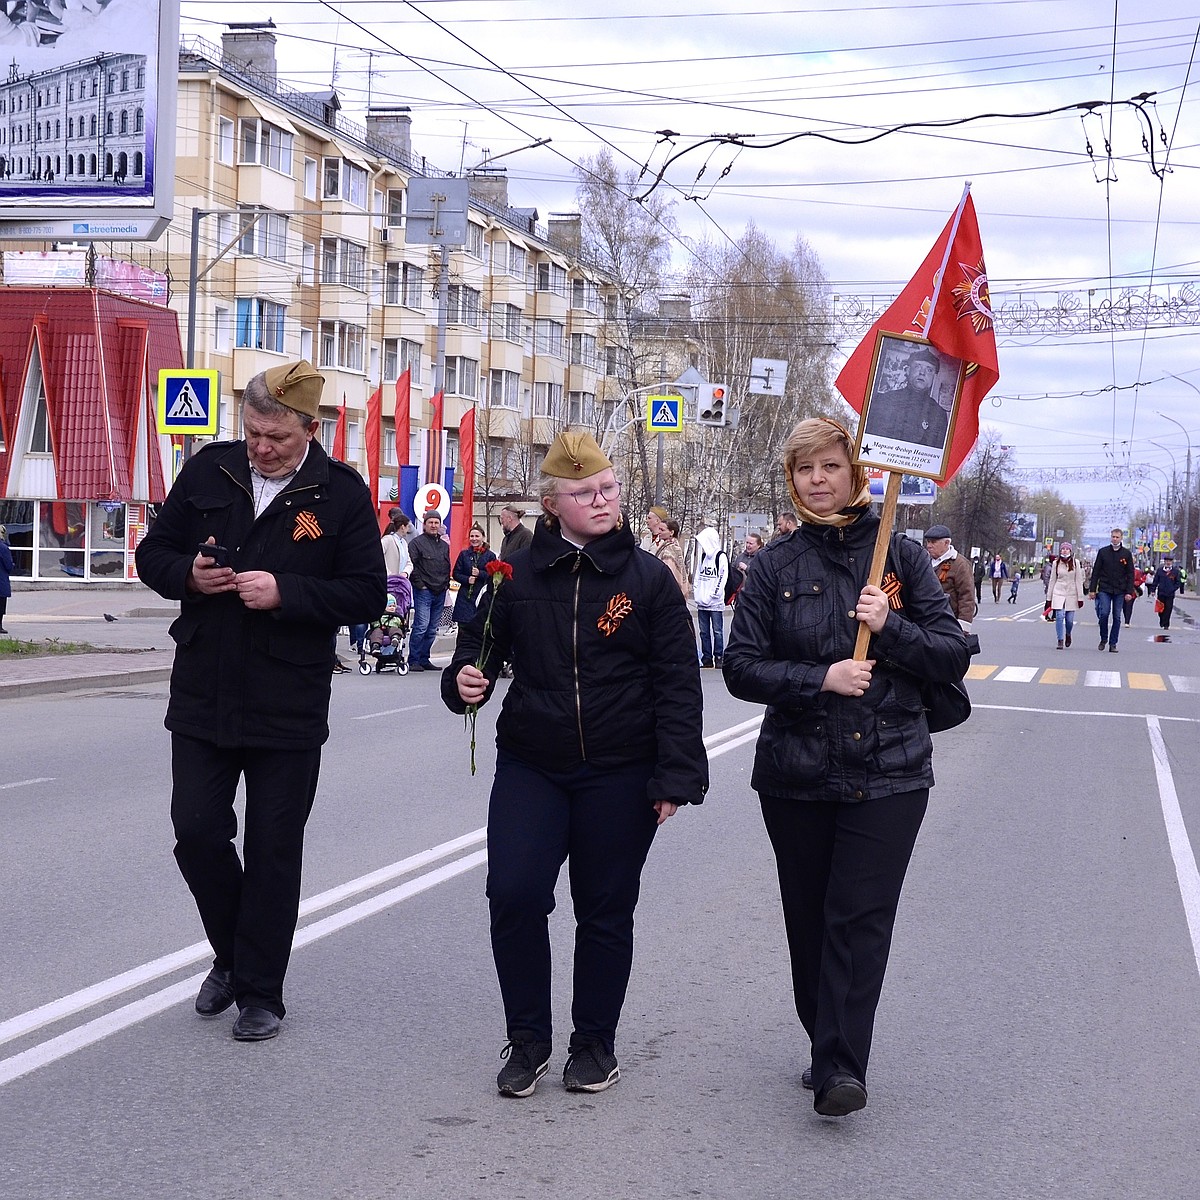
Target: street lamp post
1188, 557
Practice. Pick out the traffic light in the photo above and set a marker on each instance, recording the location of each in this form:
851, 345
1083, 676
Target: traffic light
712, 404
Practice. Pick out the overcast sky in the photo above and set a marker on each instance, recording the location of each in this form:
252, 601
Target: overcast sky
487, 76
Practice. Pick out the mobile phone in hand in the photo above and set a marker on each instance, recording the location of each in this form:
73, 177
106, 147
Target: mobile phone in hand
218, 554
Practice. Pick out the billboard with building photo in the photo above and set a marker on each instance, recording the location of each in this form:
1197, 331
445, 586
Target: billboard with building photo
87, 119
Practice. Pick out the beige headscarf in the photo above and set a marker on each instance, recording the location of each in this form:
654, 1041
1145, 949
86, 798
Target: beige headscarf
860, 486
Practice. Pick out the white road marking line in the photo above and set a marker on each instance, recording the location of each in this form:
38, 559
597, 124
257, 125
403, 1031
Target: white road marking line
26, 782
1108, 679
1182, 853
1185, 683
389, 712
122, 1018
139, 1010
1017, 674
1075, 712
97, 993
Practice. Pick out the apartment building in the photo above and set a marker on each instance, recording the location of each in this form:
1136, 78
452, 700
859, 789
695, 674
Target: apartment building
301, 253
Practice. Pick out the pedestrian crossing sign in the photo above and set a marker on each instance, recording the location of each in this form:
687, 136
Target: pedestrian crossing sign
188, 401
664, 414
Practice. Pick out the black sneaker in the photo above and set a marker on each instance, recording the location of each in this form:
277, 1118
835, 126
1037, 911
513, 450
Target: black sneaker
527, 1063
590, 1068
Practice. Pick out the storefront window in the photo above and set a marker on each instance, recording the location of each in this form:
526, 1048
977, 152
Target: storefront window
108, 540
60, 539
17, 518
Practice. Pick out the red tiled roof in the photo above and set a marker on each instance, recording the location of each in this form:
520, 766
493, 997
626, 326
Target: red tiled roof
100, 354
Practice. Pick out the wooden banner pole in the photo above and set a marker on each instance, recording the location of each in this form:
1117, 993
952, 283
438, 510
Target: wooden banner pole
887, 517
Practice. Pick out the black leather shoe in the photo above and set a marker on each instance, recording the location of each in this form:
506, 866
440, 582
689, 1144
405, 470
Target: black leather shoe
417, 667
256, 1025
841, 1094
806, 1079
216, 993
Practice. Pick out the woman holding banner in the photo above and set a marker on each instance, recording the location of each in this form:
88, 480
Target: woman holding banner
843, 762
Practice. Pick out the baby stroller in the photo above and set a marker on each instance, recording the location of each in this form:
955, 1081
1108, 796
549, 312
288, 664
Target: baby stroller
387, 639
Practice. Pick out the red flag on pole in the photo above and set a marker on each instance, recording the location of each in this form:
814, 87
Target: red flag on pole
372, 437
339, 433
403, 428
947, 303
466, 458
439, 404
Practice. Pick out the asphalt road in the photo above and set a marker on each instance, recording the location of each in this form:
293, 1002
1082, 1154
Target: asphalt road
1038, 1035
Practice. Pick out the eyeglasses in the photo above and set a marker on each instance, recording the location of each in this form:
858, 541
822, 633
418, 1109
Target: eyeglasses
609, 492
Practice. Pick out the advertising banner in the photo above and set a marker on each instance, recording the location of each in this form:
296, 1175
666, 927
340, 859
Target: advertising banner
87, 118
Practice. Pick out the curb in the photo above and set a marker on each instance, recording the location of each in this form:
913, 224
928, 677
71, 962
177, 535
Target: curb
77, 683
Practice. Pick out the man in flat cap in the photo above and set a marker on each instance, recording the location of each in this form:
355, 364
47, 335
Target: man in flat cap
598, 742
911, 413
270, 546
954, 574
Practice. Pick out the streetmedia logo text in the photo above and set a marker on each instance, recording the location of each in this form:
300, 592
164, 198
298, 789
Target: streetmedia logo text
95, 227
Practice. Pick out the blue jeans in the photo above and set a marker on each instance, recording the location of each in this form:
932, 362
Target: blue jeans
427, 612
712, 632
1106, 603
1059, 615
602, 823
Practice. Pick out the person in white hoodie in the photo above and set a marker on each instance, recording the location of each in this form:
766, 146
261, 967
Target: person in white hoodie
708, 588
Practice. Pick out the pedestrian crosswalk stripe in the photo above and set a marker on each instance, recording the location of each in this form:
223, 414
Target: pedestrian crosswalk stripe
980, 671
1059, 675
1017, 674
1146, 682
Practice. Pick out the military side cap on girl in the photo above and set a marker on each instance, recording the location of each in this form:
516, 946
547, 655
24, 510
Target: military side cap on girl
574, 456
296, 385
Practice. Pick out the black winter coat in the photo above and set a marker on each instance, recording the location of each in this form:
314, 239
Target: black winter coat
246, 677
430, 562
1112, 571
605, 661
795, 618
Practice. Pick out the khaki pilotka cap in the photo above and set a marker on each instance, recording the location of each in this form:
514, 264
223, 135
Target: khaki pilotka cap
296, 385
574, 456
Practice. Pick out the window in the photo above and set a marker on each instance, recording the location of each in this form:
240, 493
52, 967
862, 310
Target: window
267, 238
306, 344
225, 141
345, 180
462, 305
615, 360
310, 179
394, 209
548, 337
124, 81
266, 145
139, 121
124, 120
403, 284
581, 408
583, 350
399, 355
342, 345
462, 376
509, 259
506, 322
308, 263
585, 295
504, 389
344, 262
551, 278
547, 399
222, 329
260, 324
474, 239
141, 77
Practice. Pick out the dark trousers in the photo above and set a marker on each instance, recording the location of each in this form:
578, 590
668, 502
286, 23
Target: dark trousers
603, 823
1164, 617
841, 868
249, 912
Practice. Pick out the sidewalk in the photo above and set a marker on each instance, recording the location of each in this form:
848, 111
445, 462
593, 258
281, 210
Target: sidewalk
135, 648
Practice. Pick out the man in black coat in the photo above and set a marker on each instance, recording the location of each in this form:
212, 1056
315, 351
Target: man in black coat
517, 535
1110, 586
911, 413
294, 555
430, 576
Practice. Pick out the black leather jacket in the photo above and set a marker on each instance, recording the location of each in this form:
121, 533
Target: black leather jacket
795, 618
604, 658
